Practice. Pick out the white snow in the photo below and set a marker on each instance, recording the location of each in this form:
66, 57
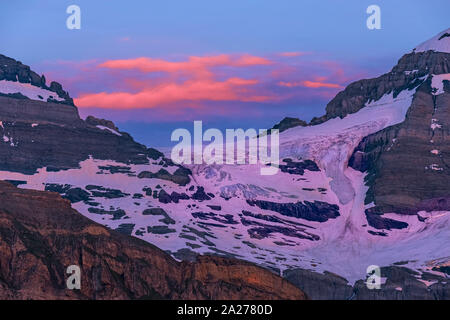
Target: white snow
435, 124
435, 44
437, 82
109, 129
9, 140
28, 90
331, 143
411, 72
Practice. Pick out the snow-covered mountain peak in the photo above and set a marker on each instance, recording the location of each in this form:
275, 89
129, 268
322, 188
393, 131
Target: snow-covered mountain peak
440, 43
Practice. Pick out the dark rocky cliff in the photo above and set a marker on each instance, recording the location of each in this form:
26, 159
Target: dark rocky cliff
408, 165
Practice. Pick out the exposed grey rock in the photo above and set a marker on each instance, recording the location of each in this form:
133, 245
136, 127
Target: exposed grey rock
298, 167
180, 176
116, 214
401, 284
159, 212
312, 211
126, 228
93, 121
403, 174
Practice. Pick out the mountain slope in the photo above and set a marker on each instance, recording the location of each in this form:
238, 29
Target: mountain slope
41, 235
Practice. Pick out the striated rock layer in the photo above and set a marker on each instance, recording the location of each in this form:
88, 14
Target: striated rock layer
408, 164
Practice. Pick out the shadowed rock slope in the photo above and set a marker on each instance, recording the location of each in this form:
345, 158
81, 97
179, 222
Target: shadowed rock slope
41, 235
408, 165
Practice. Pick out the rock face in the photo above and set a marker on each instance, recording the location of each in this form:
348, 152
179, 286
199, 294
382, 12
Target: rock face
417, 150
15, 71
407, 73
32, 111
93, 121
400, 283
41, 235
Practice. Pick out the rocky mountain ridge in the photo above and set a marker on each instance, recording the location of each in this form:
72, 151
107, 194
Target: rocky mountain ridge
12, 71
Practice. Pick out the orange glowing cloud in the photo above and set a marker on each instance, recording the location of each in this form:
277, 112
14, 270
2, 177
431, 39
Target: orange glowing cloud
193, 90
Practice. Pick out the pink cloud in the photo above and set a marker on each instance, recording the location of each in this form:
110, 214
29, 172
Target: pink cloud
200, 83
232, 89
194, 64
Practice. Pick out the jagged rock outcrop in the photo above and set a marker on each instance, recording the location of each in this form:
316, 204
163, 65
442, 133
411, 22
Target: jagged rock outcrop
298, 167
288, 123
320, 286
41, 235
93, 121
180, 176
33, 111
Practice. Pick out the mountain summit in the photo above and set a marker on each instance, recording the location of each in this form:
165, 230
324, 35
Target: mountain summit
439, 43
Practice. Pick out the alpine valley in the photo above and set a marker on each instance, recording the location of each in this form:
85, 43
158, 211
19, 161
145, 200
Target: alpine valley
368, 183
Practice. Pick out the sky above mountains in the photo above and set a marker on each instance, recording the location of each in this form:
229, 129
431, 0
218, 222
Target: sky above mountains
153, 66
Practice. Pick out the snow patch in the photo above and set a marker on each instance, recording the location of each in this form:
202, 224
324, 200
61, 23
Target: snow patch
434, 167
440, 43
28, 90
437, 82
435, 124
110, 130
